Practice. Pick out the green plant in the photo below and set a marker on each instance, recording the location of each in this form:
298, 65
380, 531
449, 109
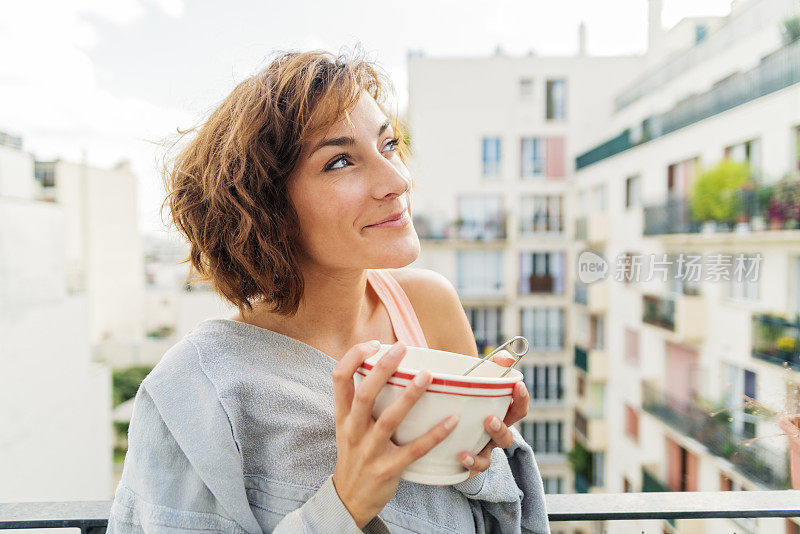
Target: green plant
714, 195
125, 382
580, 459
786, 344
791, 29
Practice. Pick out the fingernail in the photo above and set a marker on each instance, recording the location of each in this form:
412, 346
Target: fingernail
521, 389
374, 344
468, 461
450, 422
422, 379
494, 424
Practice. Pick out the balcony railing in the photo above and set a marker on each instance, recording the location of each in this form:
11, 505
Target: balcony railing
659, 311
755, 461
581, 359
777, 340
652, 484
541, 225
776, 71
490, 229
92, 517
673, 217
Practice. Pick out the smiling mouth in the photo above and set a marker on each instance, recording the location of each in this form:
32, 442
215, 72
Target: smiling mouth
399, 221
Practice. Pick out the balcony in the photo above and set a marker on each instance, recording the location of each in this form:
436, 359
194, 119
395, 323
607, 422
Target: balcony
581, 228
777, 340
92, 517
755, 461
593, 433
598, 296
541, 226
593, 362
776, 71
581, 293
483, 230
599, 228
684, 315
540, 283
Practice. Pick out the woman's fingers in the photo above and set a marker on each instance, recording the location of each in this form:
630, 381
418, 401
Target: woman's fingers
420, 446
368, 389
391, 417
503, 358
343, 372
519, 404
498, 431
478, 462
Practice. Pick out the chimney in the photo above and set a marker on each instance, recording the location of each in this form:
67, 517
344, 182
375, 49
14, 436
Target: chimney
654, 29
582, 39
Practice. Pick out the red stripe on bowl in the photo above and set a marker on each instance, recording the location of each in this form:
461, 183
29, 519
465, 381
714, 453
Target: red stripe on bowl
448, 382
444, 392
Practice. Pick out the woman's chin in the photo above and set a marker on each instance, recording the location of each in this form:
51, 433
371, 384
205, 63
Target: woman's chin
398, 252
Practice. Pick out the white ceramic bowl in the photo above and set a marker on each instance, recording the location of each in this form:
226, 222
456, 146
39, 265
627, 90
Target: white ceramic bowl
473, 398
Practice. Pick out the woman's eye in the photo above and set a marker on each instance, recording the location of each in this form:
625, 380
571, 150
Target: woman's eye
332, 164
391, 145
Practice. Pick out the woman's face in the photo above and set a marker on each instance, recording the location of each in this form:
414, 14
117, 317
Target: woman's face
348, 179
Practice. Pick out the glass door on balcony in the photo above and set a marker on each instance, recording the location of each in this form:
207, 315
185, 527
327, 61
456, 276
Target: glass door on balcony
541, 272
543, 328
480, 273
741, 386
481, 217
541, 214
486, 324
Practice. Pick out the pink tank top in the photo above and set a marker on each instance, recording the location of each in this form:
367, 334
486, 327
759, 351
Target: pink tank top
404, 320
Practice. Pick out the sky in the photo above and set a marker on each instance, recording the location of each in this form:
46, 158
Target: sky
112, 80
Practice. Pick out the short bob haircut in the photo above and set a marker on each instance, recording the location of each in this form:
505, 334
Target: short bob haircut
226, 188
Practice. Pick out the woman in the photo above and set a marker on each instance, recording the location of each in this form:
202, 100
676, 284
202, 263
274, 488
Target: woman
295, 199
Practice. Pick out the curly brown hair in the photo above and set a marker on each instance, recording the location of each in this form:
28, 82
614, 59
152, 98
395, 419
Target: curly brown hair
226, 188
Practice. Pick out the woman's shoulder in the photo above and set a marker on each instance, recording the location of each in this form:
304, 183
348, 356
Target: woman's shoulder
438, 308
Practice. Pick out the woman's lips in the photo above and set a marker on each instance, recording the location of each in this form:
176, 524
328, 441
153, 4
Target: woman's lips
394, 223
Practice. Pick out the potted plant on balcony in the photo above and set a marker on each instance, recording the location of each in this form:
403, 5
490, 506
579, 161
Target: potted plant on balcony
714, 197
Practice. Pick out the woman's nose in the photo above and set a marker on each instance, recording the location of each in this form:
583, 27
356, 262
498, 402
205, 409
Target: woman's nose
390, 177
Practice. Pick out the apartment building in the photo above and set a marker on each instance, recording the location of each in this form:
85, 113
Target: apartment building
55, 402
493, 142
667, 360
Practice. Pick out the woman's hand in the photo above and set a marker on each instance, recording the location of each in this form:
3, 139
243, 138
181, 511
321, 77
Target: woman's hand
368, 463
498, 430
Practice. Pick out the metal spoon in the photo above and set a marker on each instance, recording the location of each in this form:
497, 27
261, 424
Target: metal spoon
498, 349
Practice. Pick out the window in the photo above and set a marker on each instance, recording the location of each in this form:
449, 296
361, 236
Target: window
481, 217
599, 198
680, 176
747, 152
541, 214
45, 173
532, 157
743, 287
541, 272
626, 485
632, 346
797, 148
597, 332
631, 423
553, 485
480, 272
545, 437
725, 483
740, 386
486, 325
700, 32
598, 467
633, 192
556, 99
581, 385
543, 328
544, 383
526, 87
491, 157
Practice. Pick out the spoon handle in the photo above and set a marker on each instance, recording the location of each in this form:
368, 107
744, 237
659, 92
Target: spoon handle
509, 345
